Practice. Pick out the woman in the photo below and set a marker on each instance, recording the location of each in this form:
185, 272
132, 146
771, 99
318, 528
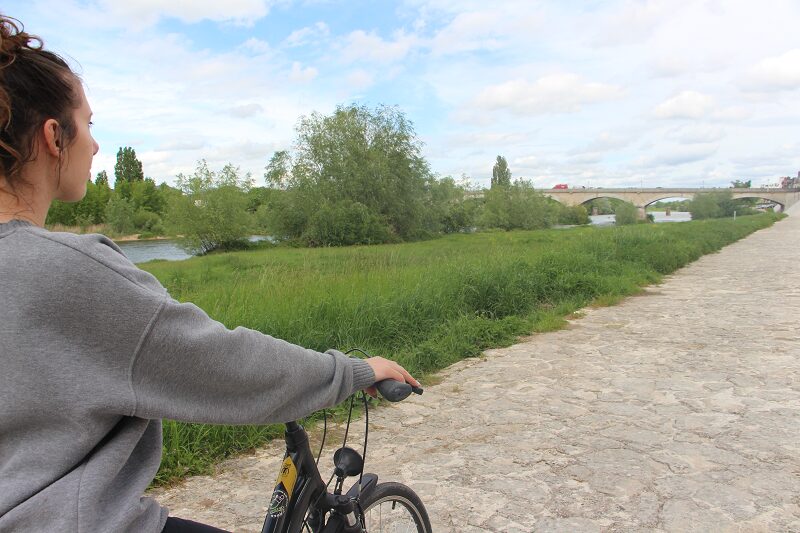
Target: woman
94, 351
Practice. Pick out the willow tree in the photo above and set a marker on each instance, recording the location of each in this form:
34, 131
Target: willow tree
211, 214
358, 168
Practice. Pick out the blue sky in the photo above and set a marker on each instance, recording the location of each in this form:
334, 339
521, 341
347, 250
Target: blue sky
596, 93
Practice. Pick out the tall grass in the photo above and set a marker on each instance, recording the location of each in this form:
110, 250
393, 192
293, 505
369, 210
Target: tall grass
104, 229
425, 304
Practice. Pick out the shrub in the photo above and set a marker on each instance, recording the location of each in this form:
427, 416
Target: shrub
576, 215
517, 207
211, 214
345, 223
708, 205
119, 215
148, 222
626, 213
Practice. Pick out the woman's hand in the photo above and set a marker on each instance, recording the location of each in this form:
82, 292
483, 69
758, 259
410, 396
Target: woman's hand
386, 369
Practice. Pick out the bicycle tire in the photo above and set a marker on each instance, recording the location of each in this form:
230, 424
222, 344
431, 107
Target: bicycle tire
394, 507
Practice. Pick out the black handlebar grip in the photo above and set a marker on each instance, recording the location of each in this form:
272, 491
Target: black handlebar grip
395, 391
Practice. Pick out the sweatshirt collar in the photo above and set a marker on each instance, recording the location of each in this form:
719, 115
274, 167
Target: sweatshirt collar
13, 224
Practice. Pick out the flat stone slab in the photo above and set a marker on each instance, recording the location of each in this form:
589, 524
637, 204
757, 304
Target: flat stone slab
677, 410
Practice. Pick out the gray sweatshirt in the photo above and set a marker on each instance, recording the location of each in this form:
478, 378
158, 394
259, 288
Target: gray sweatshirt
94, 352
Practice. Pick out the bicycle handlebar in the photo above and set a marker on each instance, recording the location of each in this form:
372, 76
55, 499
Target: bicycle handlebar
395, 391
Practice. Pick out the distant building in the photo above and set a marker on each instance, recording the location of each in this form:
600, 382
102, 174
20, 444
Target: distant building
790, 183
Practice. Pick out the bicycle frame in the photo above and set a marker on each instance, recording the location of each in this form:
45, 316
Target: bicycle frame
299, 488
301, 497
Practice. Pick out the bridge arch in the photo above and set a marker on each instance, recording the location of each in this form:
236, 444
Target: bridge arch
760, 197
672, 197
601, 197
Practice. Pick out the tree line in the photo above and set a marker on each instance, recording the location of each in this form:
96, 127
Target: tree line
135, 204
356, 176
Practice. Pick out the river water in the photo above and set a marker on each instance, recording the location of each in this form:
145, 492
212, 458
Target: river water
149, 250
141, 251
658, 216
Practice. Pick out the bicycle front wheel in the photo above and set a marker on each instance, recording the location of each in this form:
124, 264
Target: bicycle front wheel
393, 507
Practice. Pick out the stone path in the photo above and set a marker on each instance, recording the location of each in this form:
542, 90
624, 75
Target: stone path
678, 410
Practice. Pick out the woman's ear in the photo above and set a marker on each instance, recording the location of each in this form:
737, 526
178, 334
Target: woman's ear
51, 131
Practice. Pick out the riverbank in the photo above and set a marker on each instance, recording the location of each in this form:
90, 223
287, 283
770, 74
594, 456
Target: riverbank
104, 229
431, 303
138, 237
166, 248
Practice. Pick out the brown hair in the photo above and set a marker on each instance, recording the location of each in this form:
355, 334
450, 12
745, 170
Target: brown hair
35, 85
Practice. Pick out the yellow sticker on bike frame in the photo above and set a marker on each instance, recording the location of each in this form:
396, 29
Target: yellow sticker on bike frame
288, 475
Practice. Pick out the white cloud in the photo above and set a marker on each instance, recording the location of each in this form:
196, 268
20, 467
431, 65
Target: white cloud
604, 142
469, 31
528, 161
589, 158
677, 155
634, 22
775, 73
180, 145
695, 133
686, 105
143, 13
242, 150
369, 47
555, 93
299, 74
480, 29
448, 6
735, 113
670, 66
359, 80
257, 46
245, 110
484, 138
308, 35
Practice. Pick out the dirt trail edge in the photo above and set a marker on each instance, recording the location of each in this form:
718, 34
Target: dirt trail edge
675, 411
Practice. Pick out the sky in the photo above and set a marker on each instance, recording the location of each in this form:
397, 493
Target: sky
596, 93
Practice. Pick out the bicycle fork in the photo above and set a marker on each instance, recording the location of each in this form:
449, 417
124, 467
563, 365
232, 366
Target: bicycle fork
345, 516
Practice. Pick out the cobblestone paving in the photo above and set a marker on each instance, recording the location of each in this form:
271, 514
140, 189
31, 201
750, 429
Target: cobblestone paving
677, 410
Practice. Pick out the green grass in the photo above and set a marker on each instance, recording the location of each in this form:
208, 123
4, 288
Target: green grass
426, 304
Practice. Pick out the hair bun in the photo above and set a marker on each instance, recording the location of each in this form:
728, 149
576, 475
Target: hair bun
14, 39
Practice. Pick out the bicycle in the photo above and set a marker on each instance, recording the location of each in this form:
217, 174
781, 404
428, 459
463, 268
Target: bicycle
301, 500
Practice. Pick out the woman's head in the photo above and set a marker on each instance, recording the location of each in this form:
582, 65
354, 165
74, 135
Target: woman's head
40, 100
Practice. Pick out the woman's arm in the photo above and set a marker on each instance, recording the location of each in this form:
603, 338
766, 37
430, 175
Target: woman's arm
190, 367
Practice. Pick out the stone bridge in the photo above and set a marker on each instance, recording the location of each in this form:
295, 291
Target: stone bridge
641, 198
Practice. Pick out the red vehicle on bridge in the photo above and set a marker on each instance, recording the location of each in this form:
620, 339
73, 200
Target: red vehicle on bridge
561, 186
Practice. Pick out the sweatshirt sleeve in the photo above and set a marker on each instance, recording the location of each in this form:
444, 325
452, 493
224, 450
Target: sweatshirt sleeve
123, 346
189, 367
